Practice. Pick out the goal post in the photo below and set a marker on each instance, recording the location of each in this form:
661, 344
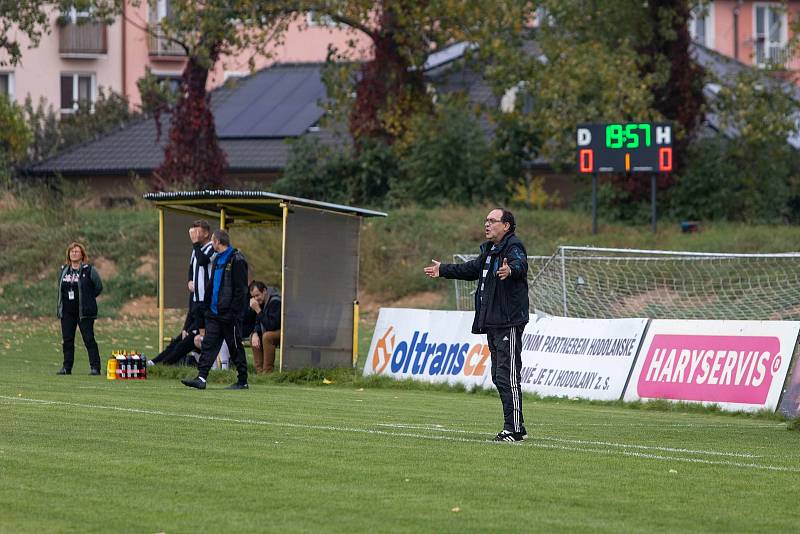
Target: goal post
591, 282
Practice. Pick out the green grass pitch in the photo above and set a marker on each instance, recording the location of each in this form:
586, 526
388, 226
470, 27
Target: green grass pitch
84, 454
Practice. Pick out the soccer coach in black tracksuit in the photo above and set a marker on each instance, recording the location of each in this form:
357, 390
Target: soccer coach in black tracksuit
501, 309
226, 301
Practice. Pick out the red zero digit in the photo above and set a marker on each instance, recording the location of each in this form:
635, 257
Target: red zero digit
776, 364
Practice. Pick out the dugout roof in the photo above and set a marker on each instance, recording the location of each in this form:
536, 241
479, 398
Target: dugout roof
319, 265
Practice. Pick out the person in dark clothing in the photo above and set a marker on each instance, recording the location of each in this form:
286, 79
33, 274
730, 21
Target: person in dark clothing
501, 310
199, 274
265, 306
225, 304
79, 284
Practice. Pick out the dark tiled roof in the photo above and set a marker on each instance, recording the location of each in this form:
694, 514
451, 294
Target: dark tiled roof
134, 148
254, 116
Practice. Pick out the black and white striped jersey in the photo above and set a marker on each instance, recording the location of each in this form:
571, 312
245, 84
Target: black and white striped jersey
200, 269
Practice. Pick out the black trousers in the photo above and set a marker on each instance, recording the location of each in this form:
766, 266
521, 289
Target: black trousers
505, 346
176, 351
69, 323
217, 331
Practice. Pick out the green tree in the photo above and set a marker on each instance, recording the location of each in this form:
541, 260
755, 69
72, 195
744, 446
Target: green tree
448, 160
51, 133
14, 139
753, 174
390, 87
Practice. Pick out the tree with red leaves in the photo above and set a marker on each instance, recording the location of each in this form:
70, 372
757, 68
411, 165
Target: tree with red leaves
193, 155
208, 30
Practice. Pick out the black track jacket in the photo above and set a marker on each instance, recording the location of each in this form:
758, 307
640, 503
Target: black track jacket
233, 298
505, 302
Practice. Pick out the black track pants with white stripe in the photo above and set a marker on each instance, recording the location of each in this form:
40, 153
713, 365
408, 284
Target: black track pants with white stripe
505, 345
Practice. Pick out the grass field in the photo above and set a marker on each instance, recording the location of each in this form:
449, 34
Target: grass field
83, 454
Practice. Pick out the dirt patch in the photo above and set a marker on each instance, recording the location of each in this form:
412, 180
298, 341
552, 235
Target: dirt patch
430, 300
148, 267
105, 267
427, 300
141, 307
8, 201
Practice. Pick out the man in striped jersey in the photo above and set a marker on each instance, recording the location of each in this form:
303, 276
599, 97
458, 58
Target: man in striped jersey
199, 269
199, 275
501, 309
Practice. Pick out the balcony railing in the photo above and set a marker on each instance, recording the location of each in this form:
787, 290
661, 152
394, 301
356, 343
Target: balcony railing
773, 55
160, 46
88, 39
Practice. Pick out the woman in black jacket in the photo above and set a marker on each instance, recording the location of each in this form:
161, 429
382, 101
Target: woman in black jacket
79, 285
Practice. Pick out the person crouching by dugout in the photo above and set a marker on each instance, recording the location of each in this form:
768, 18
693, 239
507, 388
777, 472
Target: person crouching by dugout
265, 302
79, 284
225, 304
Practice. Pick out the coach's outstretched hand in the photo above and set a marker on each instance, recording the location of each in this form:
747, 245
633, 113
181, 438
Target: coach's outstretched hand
504, 270
433, 270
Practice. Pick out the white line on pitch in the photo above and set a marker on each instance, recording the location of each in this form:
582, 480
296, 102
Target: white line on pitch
649, 447
528, 443
440, 428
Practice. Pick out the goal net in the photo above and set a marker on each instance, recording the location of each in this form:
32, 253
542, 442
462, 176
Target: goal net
609, 283
465, 290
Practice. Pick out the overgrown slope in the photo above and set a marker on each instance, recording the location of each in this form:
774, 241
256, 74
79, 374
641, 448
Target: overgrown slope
35, 229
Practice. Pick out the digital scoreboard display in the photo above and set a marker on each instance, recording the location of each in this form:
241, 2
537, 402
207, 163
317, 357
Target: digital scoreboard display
624, 147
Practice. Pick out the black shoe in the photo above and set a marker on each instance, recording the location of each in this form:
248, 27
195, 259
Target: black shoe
94, 372
505, 435
237, 385
64, 371
193, 383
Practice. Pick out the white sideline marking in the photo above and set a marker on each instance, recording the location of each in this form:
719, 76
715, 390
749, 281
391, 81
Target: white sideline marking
529, 442
440, 428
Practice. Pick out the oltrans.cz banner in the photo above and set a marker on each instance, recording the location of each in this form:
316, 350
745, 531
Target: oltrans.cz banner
739, 365
427, 345
585, 358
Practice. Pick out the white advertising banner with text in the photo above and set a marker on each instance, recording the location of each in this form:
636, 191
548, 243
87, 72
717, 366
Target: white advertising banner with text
428, 345
585, 358
739, 365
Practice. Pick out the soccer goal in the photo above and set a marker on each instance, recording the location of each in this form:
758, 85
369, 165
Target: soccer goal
609, 283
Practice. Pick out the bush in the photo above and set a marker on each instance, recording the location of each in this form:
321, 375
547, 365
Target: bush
14, 138
338, 173
447, 160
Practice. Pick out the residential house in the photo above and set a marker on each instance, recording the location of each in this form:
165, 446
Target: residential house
77, 58
755, 33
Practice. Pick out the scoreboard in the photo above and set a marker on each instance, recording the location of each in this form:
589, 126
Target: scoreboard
624, 147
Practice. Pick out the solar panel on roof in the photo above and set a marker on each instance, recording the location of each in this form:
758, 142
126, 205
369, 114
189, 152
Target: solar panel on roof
276, 102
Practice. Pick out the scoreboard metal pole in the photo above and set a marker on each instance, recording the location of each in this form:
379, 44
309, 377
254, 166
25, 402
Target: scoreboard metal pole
653, 178
594, 203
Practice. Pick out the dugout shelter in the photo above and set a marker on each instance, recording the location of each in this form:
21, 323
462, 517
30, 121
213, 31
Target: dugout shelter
319, 265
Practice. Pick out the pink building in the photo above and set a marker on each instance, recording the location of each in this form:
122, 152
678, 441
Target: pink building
753, 32
75, 60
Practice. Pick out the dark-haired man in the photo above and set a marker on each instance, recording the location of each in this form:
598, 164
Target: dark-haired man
225, 304
501, 309
265, 305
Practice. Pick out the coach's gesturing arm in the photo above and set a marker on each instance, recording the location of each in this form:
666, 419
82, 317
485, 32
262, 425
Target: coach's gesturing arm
469, 270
